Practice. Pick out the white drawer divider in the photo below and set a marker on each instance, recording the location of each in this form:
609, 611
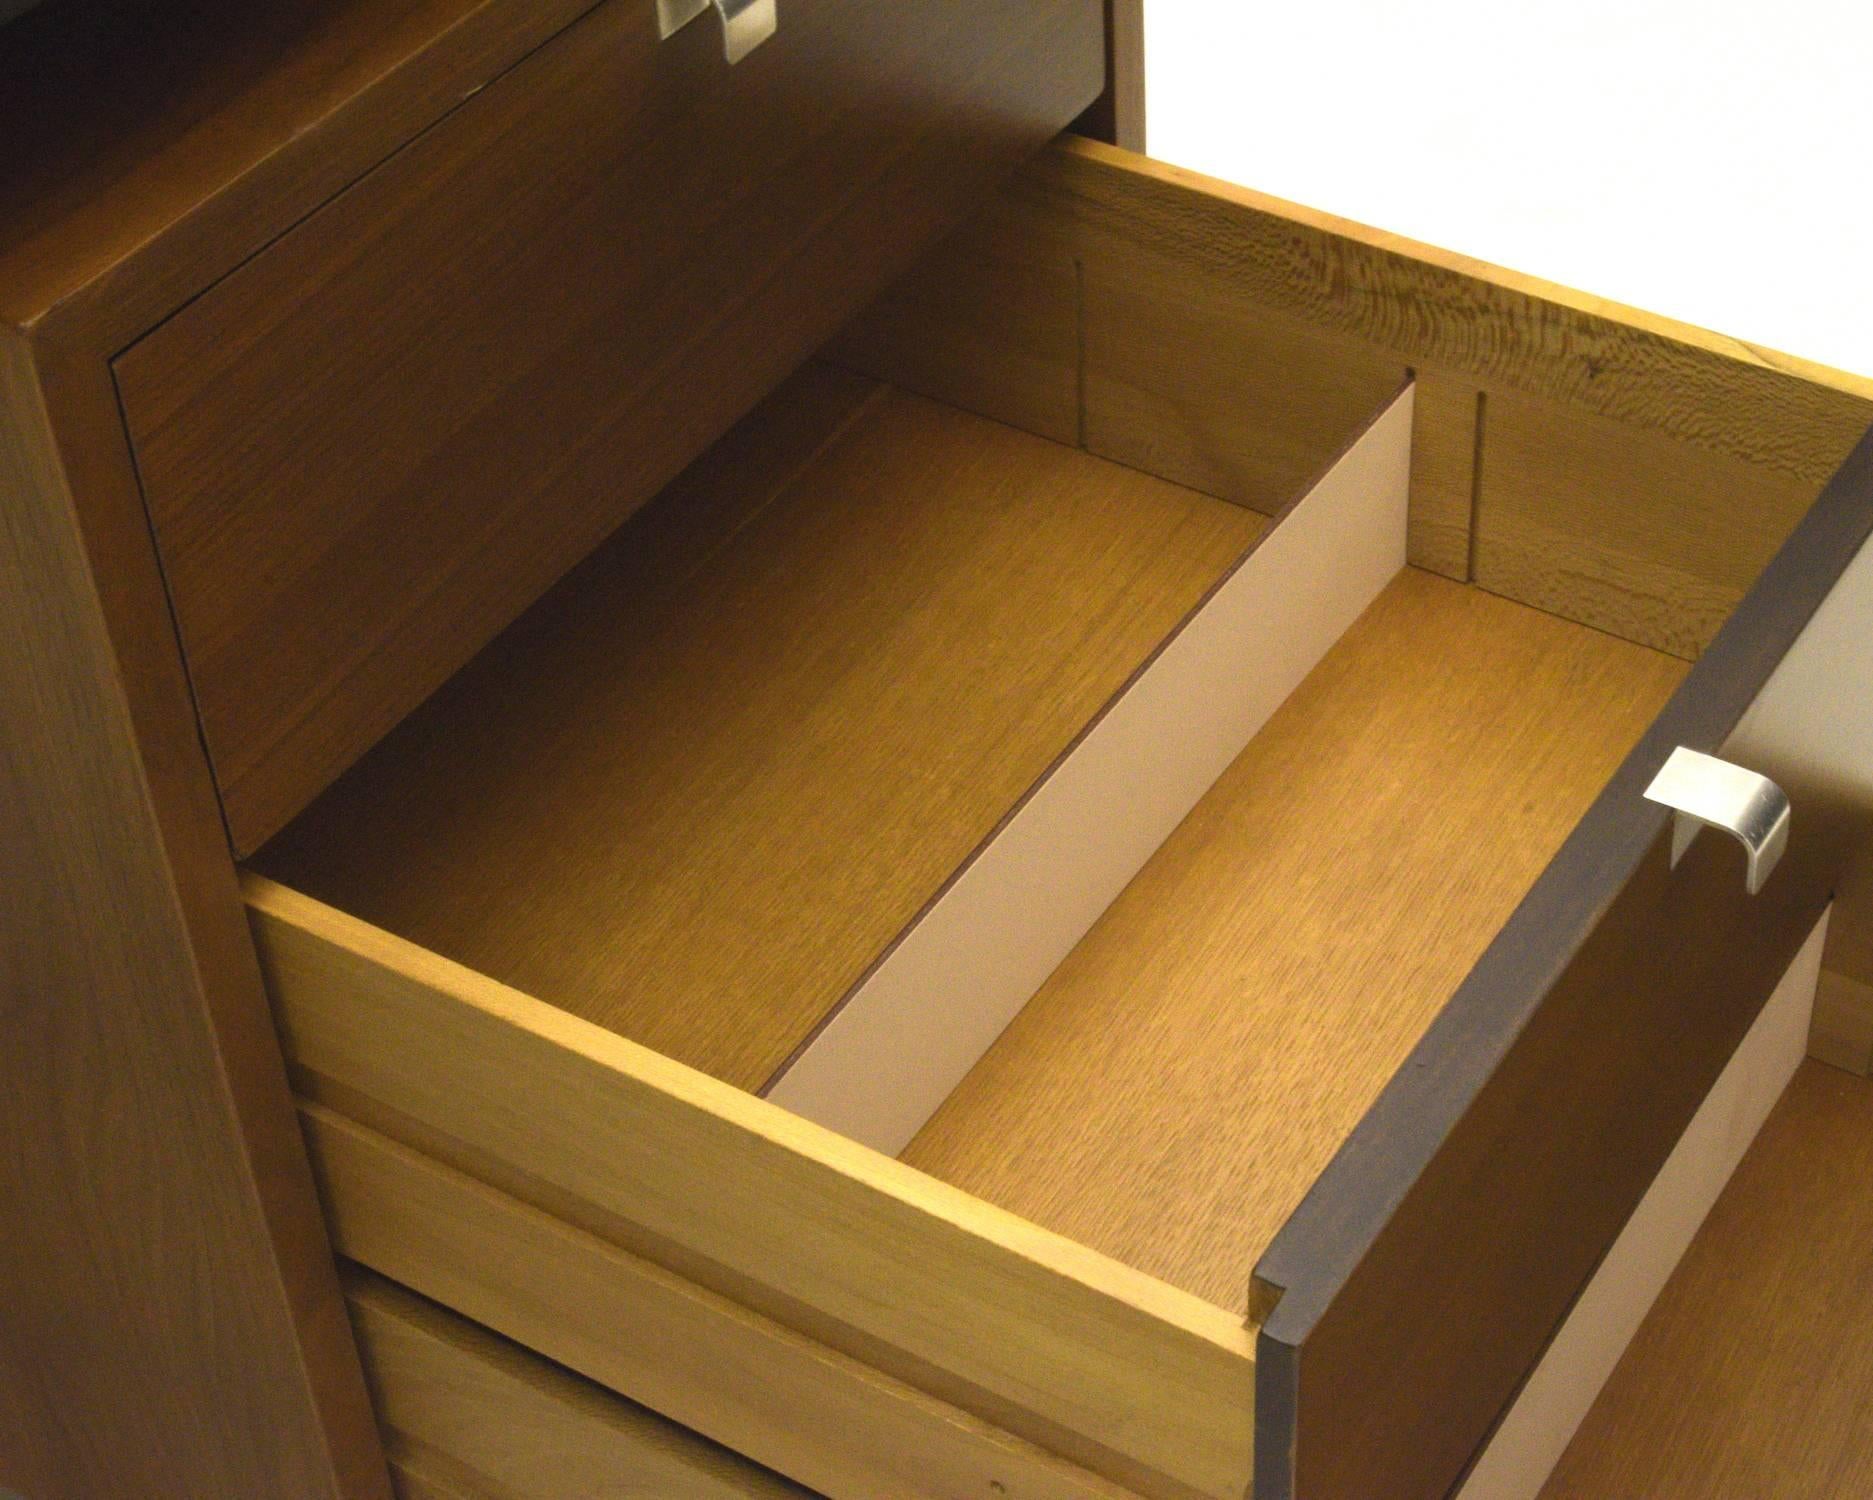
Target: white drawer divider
937, 999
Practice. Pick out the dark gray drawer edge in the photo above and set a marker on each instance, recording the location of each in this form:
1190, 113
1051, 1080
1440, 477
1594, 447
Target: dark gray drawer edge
1408, 1296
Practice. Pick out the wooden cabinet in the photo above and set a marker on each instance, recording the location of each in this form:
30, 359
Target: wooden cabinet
372, 444
925, 877
1065, 908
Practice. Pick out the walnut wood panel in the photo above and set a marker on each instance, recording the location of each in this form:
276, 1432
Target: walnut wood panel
1753, 1373
787, 1401
505, 1422
1205, 302
988, 321
1562, 1072
147, 148
1174, 1089
693, 804
172, 1325
371, 446
1109, 1368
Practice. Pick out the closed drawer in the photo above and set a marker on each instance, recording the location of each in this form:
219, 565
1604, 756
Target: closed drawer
467, 1415
876, 962
369, 447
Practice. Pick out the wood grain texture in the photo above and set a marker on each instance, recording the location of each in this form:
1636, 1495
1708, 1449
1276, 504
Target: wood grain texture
204, 132
1843, 1023
1206, 304
1178, 1084
1431, 306
174, 1325
1850, 936
1120, 1373
420, 1476
1753, 1375
1624, 527
524, 1427
988, 321
1445, 440
418, 409
786, 1401
693, 804
1231, 399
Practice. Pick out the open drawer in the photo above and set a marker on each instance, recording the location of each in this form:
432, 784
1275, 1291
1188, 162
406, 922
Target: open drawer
870, 964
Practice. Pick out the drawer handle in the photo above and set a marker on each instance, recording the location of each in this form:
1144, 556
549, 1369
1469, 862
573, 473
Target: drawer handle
745, 23
1705, 792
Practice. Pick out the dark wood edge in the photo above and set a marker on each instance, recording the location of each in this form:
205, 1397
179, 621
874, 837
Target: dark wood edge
1368, 1189
1117, 116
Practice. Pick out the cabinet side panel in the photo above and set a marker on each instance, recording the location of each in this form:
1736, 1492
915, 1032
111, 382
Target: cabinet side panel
183, 1334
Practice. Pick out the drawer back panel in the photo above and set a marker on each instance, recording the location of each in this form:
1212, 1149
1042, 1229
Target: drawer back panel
372, 445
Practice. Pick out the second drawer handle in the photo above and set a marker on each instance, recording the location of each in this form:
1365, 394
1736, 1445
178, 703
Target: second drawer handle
745, 23
1705, 792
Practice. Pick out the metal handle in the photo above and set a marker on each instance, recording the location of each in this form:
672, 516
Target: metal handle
745, 23
1705, 792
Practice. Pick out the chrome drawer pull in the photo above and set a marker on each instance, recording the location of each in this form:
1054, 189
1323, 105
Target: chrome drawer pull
1704, 791
745, 23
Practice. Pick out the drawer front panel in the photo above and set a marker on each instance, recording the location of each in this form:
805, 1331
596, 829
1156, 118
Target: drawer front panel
368, 448
465, 1412
604, 1140
1445, 1245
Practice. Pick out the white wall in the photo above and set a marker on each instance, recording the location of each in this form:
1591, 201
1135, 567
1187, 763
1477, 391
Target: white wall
1710, 160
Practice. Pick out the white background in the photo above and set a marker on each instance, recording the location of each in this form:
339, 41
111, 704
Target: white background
1712, 161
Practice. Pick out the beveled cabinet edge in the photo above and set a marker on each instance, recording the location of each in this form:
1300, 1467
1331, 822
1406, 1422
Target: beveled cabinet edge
1364, 1221
1116, 1371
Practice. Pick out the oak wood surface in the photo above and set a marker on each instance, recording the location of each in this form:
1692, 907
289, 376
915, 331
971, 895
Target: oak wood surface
1118, 1372
171, 1324
1234, 401
1842, 1034
989, 321
786, 1401
523, 1428
420, 1476
1459, 313
1221, 327
1178, 1084
1624, 527
1445, 440
693, 802
1753, 1373
372, 445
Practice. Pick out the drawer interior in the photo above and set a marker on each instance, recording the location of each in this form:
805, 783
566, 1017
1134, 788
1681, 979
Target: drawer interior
967, 853
734, 768
695, 792
1178, 1083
